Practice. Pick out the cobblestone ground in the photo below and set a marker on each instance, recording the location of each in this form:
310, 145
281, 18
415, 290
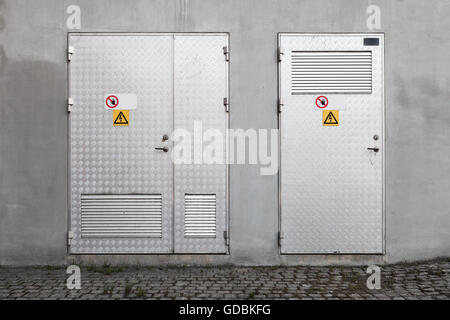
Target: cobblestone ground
428, 280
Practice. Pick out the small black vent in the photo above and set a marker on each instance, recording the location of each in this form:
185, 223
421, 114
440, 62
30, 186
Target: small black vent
371, 41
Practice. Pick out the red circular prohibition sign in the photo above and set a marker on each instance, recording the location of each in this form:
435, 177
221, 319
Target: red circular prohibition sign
321, 102
112, 102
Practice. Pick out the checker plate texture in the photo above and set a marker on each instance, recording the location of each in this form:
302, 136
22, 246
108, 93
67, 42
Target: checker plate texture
121, 160
331, 185
201, 74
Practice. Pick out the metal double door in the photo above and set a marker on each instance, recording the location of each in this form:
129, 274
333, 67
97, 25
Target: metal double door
332, 143
127, 195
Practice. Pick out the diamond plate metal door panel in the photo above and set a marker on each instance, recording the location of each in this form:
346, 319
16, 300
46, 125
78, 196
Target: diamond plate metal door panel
126, 184
331, 184
201, 84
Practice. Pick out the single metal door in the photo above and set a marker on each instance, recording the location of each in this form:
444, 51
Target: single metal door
332, 150
127, 94
201, 86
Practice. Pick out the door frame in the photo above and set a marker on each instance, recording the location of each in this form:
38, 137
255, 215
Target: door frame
383, 140
227, 127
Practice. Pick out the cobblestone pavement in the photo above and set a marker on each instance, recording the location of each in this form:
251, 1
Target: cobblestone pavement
428, 280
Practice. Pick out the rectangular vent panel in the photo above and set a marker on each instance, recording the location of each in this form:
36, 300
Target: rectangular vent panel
121, 215
200, 215
317, 72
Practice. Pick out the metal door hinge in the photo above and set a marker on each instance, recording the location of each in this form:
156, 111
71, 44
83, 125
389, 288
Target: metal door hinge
226, 53
280, 105
280, 54
69, 104
226, 104
69, 238
225, 236
280, 237
70, 51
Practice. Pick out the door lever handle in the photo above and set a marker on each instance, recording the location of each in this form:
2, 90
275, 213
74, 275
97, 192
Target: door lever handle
165, 149
375, 149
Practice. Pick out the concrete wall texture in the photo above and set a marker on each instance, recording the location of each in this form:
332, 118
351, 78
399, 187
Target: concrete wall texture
34, 130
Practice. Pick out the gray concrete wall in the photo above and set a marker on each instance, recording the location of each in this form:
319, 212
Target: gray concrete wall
33, 118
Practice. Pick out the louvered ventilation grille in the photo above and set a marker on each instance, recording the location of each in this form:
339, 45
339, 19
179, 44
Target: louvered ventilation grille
331, 72
200, 215
129, 215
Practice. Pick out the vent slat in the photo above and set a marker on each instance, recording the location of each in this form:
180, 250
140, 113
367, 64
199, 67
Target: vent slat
120, 200
118, 235
129, 228
331, 72
122, 223
200, 216
319, 85
339, 81
329, 59
336, 54
122, 196
330, 76
99, 215
133, 216
112, 209
100, 219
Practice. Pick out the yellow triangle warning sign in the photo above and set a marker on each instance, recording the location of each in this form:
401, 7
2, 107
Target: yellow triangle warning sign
330, 117
121, 117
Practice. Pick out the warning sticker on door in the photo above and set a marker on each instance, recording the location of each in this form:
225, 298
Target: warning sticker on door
330, 118
333, 101
321, 102
120, 101
121, 117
